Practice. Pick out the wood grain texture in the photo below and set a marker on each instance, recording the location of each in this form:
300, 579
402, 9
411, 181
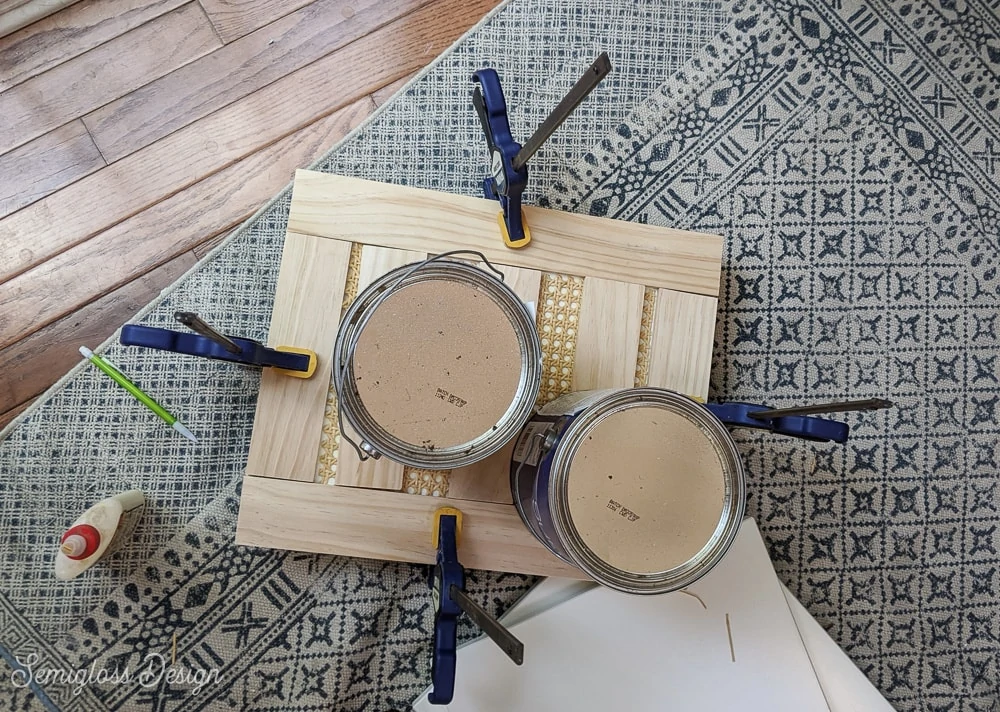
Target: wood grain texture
43, 166
35, 363
382, 473
133, 247
376, 261
15, 14
352, 521
235, 18
680, 352
107, 72
389, 90
379, 524
489, 479
343, 208
484, 481
81, 210
71, 32
9, 5
289, 420
607, 338
151, 112
525, 283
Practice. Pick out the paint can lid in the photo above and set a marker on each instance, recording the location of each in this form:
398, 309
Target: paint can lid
437, 365
647, 490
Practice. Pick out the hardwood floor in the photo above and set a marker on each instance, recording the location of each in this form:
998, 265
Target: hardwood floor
134, 134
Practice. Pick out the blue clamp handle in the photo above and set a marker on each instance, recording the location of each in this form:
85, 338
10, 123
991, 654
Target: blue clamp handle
251, 352
505, 183
447, 572
798, 426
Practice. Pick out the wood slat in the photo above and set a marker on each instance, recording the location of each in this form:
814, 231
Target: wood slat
680, 352
489, 479
43, 166
382, 473
124, 252
103, 74
377, 261
71, 32
80, 210
525, 283
397, 216
607, 338
353, 521
289, 420
35, 363
237, 70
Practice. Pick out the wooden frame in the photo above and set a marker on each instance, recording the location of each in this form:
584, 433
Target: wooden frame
282, 506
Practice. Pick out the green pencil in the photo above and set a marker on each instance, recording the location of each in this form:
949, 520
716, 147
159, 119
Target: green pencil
119, 378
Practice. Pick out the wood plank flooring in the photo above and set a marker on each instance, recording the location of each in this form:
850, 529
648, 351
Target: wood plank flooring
135, 134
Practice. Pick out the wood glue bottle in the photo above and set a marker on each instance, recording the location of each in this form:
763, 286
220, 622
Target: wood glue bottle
98, 533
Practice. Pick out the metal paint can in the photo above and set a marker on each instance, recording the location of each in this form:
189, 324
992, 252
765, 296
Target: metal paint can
437, 365
641, 488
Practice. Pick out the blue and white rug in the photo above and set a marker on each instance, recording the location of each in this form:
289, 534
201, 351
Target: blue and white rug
850, 154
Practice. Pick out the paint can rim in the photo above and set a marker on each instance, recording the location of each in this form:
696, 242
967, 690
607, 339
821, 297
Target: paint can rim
734, 493
375, 438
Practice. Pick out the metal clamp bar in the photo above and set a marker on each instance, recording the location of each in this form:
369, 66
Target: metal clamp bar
821, 408
199, 326
584, 85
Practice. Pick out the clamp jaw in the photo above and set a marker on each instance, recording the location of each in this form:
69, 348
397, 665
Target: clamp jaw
447, 573
505, 182
798, 422
209, 343
509, 159
448, 583
739, 415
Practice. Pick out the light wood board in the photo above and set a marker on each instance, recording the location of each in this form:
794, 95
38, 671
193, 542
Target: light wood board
607, 340
290, 410
382, 473
406, 218
280, 512
395, 526
680, 355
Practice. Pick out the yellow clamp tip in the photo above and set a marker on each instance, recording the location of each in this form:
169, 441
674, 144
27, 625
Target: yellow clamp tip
441, 512
298, 374
514, 244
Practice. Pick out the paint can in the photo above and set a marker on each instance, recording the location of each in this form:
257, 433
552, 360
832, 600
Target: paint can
641, 488
437, 365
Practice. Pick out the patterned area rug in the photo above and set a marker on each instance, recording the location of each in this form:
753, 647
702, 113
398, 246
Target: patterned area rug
278, 630
851, 156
